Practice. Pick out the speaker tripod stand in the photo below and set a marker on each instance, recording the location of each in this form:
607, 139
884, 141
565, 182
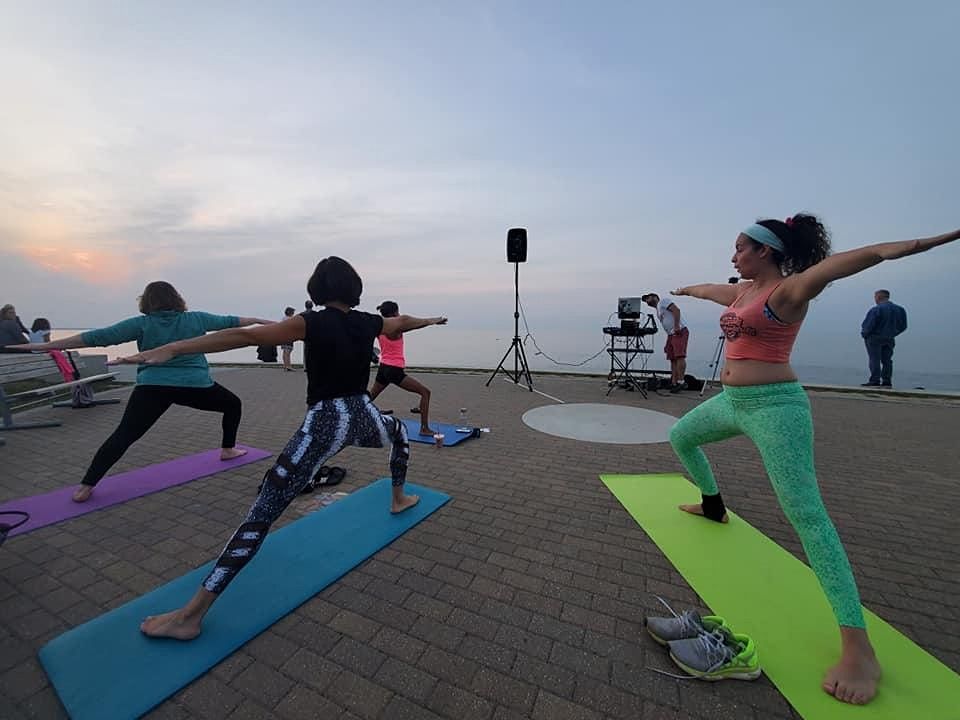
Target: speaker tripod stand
516, 345
714, 363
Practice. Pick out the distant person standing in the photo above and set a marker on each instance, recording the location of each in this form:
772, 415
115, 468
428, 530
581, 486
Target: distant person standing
884, 321
287, 348
677, 337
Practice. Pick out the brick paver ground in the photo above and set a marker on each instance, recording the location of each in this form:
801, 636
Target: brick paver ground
521, 598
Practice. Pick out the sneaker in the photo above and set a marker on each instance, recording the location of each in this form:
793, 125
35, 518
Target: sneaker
719, 655
870, 384
688, 625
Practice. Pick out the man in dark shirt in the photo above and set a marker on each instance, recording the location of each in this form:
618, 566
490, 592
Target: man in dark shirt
884, 321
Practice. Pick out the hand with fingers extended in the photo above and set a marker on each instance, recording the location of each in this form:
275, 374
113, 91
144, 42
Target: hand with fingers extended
679, 291
157, 356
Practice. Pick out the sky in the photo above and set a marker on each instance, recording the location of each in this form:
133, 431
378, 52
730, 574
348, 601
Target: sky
227, 147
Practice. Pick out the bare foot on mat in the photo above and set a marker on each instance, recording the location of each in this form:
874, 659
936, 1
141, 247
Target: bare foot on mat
404, 503
231, 453
82, 493
170, 625
854, 679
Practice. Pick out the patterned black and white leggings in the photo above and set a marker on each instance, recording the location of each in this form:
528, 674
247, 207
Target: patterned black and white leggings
328, 427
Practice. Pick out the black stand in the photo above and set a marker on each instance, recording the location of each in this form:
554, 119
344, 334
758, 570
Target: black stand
516, 346
622, 372
714, 363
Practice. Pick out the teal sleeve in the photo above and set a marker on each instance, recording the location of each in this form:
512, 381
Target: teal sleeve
217, 322
124, 331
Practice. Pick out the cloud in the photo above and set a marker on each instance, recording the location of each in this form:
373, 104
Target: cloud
93, 266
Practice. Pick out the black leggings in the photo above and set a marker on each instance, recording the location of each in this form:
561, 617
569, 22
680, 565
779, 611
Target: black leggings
145, 406
329, 426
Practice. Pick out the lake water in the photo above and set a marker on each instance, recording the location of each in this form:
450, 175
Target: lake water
451, 347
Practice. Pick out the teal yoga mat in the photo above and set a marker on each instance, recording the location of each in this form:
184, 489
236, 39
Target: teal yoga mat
107, 670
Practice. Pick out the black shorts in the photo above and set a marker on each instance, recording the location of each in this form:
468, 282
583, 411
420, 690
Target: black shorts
387, 374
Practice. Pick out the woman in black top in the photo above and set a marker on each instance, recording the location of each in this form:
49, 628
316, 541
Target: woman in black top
339, 413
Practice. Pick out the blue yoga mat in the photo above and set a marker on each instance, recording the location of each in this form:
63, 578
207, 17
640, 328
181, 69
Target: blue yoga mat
450, 434
107, 669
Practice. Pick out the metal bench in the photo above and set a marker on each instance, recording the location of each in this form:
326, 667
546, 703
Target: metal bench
33, 366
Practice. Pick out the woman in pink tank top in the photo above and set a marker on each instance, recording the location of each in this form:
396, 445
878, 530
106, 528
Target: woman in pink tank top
787, 264
391, 370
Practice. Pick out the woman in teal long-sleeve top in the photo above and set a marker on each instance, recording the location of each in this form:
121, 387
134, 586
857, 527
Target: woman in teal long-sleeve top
184, 380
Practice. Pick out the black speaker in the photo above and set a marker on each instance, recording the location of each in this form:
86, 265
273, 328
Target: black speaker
517, 245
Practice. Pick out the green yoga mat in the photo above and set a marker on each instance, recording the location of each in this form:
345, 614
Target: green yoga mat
765, 592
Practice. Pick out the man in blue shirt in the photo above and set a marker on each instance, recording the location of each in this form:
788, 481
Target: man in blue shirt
884, 321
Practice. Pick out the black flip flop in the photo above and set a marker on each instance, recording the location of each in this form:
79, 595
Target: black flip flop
386, 412
6, 527
334, 477
324, 477
319, 478
415, 411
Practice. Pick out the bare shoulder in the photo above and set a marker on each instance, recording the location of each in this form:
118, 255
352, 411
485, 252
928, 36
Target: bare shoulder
392, 328
732, 291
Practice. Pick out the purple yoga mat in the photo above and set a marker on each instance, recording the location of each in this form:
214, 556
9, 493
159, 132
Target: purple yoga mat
53, 507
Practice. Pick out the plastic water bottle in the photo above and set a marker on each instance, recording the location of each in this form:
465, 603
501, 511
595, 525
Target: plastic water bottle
462, 426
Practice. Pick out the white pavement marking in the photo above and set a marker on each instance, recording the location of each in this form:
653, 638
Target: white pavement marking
527, 387
594, 422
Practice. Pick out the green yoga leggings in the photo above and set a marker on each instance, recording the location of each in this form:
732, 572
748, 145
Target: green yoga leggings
777, 418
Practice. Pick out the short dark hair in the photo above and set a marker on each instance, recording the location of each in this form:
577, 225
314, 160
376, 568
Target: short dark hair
40, 324
288, 311
335, 280
308, 305
388, 308
649, 295
883, 293
161, 295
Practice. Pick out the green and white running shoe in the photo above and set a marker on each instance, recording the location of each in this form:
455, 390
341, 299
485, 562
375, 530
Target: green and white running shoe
718, 655
687, 625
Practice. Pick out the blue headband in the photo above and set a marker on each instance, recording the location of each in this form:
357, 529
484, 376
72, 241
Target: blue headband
765, 236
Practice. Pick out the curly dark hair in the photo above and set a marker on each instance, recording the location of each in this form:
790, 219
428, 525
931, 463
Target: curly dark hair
806, 242
335, 280
161, 295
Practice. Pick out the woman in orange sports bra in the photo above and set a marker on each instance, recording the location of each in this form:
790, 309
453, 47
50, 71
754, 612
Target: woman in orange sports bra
786, 264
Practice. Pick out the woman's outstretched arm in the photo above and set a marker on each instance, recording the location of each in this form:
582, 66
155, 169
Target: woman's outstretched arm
806, 285
394, 326
74, 341
245, 321
277, 333
724, 294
